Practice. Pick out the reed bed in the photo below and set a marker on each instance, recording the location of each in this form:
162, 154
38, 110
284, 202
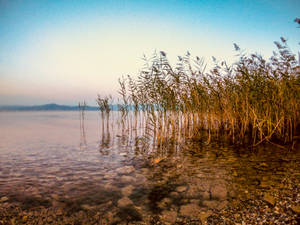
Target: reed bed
252, 101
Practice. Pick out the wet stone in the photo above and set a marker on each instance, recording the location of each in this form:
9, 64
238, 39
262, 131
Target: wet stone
55, 196
59, 212
222, 205
195, 201
206, 195
264, 184
204, 215
4, 199
181, 189
125, 170
169, 216
269, 199
296, 209
192, 191
165, 202
211, 204
219, 191
110, 175
126, 191
125, 201
174, 194
140, 179
87, 207
190, 210
127, 179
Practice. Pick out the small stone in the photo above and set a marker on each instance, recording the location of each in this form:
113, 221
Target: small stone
204, 216
264, 184
125, 201
195, 201
109, 217
24, 218
174, 194
235, 174
164, 202
110, 175
125, 170
206, 195
222, 205
263, 164
219, 191
190, 210
127, 179
181, 189
200, 175
13, 221
59, 212
4, 199
211, 204
126, 191
296, 209
55, 196
157, 160
270, 199
87, 207
169, 216
140, 179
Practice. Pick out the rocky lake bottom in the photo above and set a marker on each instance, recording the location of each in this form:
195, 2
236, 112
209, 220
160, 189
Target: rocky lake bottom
50, 173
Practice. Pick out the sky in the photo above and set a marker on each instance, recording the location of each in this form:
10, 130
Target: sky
69, 51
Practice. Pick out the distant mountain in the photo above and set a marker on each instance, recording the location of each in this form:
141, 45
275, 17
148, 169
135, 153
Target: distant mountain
47, 107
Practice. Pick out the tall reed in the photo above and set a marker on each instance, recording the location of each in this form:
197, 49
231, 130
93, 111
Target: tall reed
252, 101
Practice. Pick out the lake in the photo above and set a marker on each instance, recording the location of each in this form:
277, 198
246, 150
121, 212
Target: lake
59, 168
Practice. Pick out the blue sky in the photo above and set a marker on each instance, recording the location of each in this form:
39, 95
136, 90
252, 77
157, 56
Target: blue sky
68, 51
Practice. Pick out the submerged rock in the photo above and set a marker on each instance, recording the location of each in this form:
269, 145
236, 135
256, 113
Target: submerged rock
164, 202
127, 179
87, 207
296, 209
125, 170
190, 210
169, 216
125, 201
126, 191
4, 199
211, 204
204, 215
181, 189
269, 199
219, 191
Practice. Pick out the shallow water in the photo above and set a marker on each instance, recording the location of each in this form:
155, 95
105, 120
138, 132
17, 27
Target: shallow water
53, 159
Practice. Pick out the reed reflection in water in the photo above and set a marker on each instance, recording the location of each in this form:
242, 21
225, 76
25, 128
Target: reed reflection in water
133, 170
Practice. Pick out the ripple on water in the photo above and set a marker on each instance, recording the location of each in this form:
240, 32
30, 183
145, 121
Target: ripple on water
127, 184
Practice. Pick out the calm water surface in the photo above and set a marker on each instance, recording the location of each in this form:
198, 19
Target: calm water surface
53, 159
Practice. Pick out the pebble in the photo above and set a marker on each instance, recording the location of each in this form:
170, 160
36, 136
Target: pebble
204, 216
126, 191
296, 209
127, 179
169, 216
219, 191
125, 170
269, 198
125, 201
4, 199
211, 204
181, 189
190, 210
